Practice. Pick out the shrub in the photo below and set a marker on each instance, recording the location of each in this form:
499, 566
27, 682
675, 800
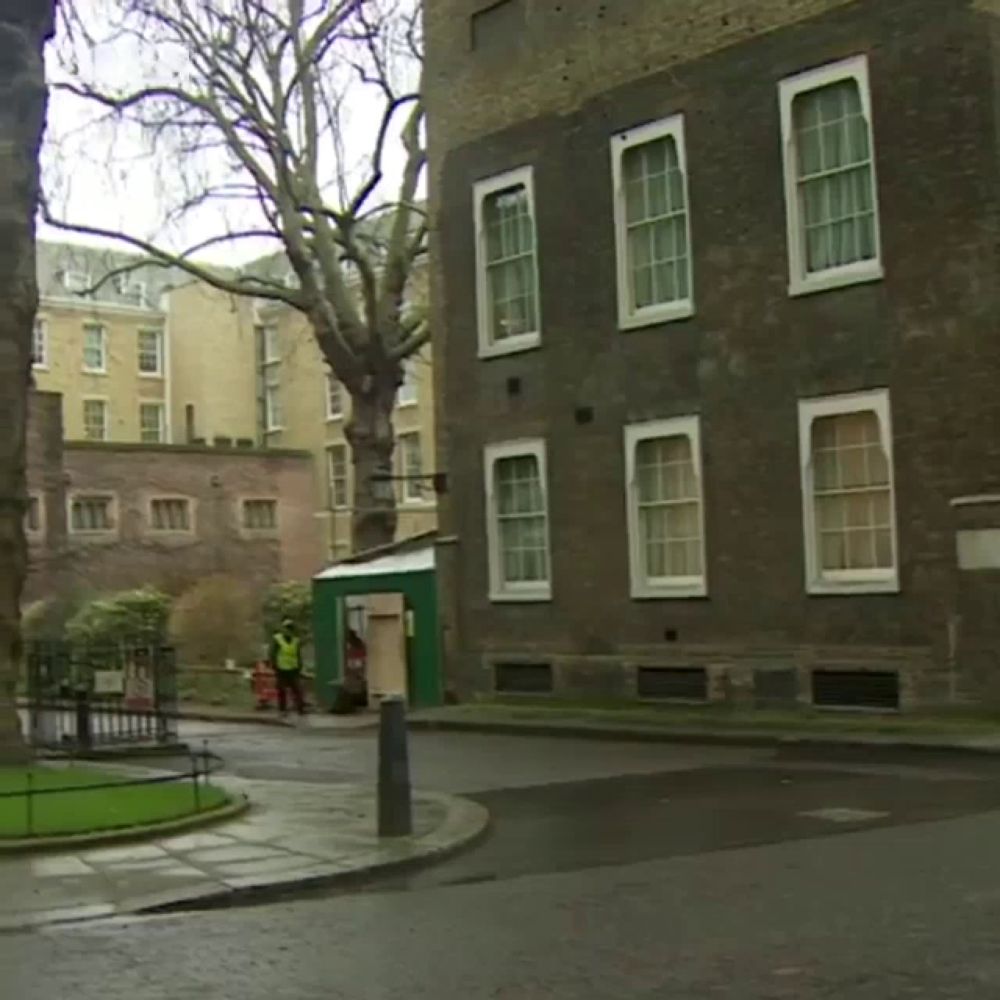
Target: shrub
293, 600
46, 620
131, 617
217, 620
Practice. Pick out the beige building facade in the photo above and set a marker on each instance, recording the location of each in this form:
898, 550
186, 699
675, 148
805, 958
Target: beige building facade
103, 350
303, 407
153, 357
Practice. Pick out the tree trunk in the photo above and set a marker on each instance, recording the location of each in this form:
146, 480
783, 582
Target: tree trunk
371, 437
24, 27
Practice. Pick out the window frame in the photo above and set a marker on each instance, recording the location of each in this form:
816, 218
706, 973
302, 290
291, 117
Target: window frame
408, 499
135, 292
663, 312
83, 495
40, 326
161, 406
77, 282
172, 498
409, 383
103, 400
270, 334
501, 591
864, 581
642, 587
272, 425
330, 448
103, 370
331, 382
270, 530
800, 281
481, 190
35, 497
158, 334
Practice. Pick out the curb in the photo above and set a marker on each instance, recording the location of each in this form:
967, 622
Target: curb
199, 821
238, 718
696, 737
472, 823
251, 718
126, 753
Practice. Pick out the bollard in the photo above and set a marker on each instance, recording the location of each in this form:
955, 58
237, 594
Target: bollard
395, 814
83, 734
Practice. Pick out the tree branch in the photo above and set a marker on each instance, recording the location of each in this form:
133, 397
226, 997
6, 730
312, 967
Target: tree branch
248, 285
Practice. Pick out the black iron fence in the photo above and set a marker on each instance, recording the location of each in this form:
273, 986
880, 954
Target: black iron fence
82, 698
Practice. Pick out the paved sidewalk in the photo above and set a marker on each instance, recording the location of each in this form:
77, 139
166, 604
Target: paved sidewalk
691, 726
294, 835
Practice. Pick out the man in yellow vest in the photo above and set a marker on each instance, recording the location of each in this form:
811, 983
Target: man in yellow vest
286, 662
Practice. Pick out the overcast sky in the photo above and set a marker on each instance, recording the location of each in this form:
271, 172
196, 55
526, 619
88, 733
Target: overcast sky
97, 176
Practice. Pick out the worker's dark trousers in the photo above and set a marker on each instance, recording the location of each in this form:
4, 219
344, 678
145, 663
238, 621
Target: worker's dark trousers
290, 680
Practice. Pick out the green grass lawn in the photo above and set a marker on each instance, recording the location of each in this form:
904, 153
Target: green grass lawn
85, 809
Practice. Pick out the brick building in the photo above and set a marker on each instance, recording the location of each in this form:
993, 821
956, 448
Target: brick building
112, 516
715, 297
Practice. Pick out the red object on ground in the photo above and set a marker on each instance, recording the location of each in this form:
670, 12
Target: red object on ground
265, 688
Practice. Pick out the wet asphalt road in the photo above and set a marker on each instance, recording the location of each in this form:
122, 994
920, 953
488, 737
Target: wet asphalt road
613, 870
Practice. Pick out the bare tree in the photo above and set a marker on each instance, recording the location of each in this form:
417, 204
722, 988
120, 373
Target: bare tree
25, 25
243, 104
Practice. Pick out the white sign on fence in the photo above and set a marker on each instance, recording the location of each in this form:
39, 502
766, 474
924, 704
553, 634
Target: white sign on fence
109, 682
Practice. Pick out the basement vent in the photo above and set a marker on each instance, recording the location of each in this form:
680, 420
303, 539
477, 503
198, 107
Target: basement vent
672, 683
223, 442
878, 689
522, 678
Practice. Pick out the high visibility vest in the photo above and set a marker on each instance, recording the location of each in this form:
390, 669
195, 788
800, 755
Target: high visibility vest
288, 652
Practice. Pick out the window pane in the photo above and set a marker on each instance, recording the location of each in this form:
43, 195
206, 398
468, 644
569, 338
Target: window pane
656, 222
522, 519
851, 493
151, 424
411, 464
171, 515
667, 493
832, 551
407, 392
93, 348
337, 463
95, 420
271, 344
334, 398
149, 352
835, 175
260, 514
91, 514
39, 344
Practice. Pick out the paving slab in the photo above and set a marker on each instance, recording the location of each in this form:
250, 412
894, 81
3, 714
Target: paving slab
294, 834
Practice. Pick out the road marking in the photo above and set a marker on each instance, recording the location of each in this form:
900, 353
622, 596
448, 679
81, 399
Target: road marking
841, 814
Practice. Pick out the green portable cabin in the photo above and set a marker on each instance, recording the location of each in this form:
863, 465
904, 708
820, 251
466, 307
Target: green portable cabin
407, 569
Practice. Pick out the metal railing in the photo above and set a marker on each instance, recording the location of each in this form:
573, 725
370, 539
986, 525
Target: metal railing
202, 766
79, 699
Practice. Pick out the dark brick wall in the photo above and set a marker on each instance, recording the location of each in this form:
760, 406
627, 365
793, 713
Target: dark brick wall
44, 434
928, 332
214, 480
